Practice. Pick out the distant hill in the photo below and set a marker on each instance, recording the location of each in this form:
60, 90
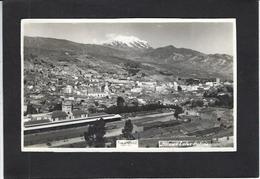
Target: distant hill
68, 46
116, 55
220, 65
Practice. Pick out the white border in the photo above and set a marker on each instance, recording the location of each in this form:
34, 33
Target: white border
1, 95
136, 20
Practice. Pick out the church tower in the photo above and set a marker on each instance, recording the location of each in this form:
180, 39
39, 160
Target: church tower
67, 106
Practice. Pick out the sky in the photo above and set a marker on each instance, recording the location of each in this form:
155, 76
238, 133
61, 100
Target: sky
206, 37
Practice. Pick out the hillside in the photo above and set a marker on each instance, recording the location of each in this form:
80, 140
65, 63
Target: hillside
120, 57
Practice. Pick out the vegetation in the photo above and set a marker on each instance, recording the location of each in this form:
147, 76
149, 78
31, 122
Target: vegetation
120, 101
31, 109
94, 137
132, 68
133, 109
197, 103
179, 88
223, 96
178, 110
55, 107
127, 130
92, 109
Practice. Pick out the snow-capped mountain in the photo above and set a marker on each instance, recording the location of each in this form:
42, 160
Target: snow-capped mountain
127, 42
125, 51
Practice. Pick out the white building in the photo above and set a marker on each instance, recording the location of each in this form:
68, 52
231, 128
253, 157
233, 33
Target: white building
192, 88
228, 83
217, 80
106, 89
97, 95
160, 89
68, 89
141, 101
147, 85
175, 86
34, 117
210, 84
136, 90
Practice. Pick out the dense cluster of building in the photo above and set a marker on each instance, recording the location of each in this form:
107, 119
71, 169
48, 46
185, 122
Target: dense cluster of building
94, 92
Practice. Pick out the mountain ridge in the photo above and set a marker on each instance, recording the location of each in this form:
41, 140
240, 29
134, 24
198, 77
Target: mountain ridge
167, 57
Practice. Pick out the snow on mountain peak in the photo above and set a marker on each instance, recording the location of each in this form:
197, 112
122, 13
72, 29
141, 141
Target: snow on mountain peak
127, 41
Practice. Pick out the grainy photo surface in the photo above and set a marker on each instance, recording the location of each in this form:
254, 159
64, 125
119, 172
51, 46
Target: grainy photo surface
134, 85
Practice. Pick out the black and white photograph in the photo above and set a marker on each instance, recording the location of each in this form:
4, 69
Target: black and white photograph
128, 85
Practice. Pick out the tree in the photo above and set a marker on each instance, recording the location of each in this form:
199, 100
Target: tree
127, 130
100, 132
179, 88
120, 101
135, 103
92, 109
31, 109
89, 136
196, 103
96, 103
56, 107
94, 137
114, 139
178, 110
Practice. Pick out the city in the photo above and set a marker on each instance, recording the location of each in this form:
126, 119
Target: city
85, 96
